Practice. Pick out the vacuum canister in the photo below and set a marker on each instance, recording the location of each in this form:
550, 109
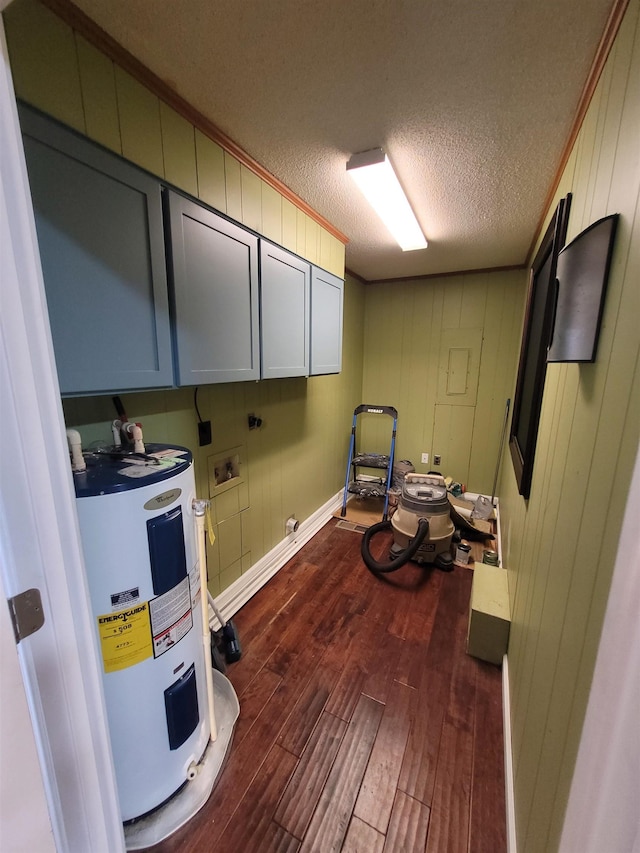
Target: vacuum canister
423, 496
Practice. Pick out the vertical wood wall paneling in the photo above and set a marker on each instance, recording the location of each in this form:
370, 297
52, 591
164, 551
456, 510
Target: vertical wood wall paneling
271, 213
338, 254
415, 391
452, 436
233, 186
563, 539
534, 559
383, 365
565, 497
301, 232
44, 63
178, 150
591, 406
325, 251
290, 415
139, 123
273, 490
408, 376
421, 320
494, 309
620, 395
251, 188
289, 225
99, 99
210, 172
312, 240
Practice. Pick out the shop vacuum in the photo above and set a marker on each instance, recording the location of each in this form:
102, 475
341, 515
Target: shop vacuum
170, 714
422, 527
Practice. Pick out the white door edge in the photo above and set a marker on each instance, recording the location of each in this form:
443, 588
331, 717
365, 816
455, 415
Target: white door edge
38, 525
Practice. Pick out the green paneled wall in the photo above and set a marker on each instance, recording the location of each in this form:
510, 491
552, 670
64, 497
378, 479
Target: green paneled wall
560, 545
414, 332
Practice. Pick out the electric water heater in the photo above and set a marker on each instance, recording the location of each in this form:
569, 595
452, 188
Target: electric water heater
138, 535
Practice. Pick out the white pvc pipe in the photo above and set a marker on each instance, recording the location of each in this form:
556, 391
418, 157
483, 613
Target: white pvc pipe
75, 446
199, 508
138, 443
115, 429
134, 431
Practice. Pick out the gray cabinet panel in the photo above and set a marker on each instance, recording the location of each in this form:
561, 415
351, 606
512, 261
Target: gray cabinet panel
214, 266
327, 292
100, 234
284, 312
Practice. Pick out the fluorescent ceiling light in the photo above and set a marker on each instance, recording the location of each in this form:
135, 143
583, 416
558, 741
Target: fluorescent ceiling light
374, 175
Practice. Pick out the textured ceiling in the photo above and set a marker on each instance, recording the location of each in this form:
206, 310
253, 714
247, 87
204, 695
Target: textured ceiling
473, 100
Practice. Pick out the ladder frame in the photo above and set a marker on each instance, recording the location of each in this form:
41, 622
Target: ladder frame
371, 410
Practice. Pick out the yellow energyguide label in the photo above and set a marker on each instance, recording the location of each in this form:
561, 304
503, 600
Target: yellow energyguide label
125, 637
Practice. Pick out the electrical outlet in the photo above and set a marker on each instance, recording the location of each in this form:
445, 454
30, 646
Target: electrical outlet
437, 459
204, 433
425, 458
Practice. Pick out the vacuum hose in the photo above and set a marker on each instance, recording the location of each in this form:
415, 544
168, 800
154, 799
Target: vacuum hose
402, 558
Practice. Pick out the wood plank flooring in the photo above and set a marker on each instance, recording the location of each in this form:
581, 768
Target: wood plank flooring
364, 726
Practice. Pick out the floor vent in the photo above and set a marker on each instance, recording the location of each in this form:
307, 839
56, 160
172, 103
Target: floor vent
349, 525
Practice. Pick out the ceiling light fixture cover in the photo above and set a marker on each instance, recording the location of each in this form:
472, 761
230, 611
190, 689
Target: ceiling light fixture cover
374, 175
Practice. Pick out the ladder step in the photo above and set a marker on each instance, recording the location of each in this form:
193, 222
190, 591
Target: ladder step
371, 460
367, 488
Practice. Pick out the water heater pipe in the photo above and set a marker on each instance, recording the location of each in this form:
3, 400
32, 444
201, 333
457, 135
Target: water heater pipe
138, 444
116, 426
199, 509
134, 431
75, 446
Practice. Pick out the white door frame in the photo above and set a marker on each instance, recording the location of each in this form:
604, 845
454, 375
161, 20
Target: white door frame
39, 530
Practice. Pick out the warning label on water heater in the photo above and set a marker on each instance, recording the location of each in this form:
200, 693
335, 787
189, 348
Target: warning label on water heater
171, 617
125, 637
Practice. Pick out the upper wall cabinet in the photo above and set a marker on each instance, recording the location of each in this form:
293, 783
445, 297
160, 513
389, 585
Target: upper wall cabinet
327, 292
285, 286
100, 233
214, 271
237, 307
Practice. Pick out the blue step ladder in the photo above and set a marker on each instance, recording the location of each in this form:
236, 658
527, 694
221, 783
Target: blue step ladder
370, 487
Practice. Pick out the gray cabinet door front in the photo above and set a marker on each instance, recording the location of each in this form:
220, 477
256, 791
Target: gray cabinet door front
100, 234
327, 292
284, 301
214, 265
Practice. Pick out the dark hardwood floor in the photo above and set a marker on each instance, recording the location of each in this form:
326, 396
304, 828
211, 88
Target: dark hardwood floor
364, 726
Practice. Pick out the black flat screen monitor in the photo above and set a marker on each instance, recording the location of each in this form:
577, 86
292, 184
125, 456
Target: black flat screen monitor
581, 282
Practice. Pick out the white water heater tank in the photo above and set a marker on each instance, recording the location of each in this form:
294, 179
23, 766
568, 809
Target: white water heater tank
138, 536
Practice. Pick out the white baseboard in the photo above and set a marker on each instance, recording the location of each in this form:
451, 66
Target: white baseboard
233, 597
508, 759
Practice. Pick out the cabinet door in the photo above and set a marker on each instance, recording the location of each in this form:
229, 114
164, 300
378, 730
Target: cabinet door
327, 293
100, 233
284, 303
214, 265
